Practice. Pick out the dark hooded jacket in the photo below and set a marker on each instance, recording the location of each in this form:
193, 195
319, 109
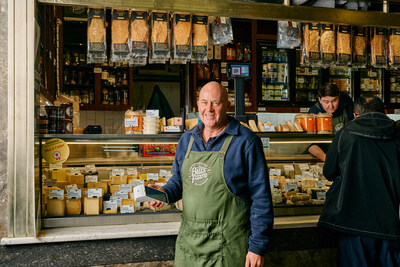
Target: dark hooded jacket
364, 162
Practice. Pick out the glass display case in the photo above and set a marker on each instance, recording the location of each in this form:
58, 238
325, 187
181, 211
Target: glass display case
342, 77
116, 163
371, 82
394, 93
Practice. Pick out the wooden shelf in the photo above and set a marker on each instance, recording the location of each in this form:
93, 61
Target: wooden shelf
104, 107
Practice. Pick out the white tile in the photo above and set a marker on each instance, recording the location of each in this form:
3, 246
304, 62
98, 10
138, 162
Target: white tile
89, 122
109, 115
82, 119
91, 115
100, 117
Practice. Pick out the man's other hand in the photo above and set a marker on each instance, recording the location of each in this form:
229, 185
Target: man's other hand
254, 260
156, 203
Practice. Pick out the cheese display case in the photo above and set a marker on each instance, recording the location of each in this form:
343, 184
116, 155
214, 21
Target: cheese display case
94, 186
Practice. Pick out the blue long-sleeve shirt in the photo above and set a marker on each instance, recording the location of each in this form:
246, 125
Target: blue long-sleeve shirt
245, 171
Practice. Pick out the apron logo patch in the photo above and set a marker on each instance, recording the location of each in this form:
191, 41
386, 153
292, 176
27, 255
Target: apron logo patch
198, 173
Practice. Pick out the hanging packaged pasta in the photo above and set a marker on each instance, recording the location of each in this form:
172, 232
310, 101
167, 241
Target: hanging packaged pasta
378, 47
311, 53
96, 33
182, 38
139, 37
359, 46
328, 44
394, 48
159, 38
343, 45
120, 51
200, 39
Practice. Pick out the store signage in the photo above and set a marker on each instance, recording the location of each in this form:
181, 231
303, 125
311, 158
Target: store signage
127, 209
152, 176
136, 182
55, 151
125, 188
95, 192
74, 194
152, 113
91, 178
110, 205
132, 171
56, 194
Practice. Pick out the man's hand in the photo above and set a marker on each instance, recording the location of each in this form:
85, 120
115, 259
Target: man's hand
254, 260
156, 203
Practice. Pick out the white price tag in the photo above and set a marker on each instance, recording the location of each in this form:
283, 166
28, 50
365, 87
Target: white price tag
55, 166
265, 142
71, 187
160, 184
224, 64
288, 168
74, 171
116, 199
127, 209
110, 205
132, 171
273, 183
303, 167
118, 172
50, 182
95, 192
166, 174
321, 184
136, 182
91, 178
152, 113
321, 195
90, 168
290, 187
58, 194
308, 174
152, 176
275, 172
125, 188
300, 79
172, 129
132, 122
298, 178
74, 194
121, 195
97, 70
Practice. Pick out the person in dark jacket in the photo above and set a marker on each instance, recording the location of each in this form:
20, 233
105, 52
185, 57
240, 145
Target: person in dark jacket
340, 105
363, 203
221, 175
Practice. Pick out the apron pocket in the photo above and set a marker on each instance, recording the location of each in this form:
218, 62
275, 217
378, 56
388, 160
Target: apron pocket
201, 238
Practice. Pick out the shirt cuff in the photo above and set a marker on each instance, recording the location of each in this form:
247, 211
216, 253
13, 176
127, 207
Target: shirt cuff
256, 250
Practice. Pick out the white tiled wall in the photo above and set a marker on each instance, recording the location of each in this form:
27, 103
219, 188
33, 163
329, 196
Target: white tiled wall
111, 122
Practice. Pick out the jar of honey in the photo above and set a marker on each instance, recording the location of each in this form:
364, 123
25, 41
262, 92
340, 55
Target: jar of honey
324, 123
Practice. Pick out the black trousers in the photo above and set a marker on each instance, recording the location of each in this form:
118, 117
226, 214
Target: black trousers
360, 251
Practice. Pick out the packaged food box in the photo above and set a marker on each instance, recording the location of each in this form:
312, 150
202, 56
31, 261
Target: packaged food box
157, 150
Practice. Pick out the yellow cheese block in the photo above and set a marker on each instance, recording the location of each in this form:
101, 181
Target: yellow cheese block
128, 202
131, 195
47, 172
55, 207
114, 211
46, 190
62, 185
76, 179
131, 178
74, 206
101, 185
114, 188
143, 176
59, 175
190, 123
119, 179
91, 206
162, 180
175, 121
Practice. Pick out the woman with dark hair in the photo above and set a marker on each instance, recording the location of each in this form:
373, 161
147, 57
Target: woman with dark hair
340, 105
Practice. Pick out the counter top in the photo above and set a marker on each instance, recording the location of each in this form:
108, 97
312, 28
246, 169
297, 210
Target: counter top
135, 230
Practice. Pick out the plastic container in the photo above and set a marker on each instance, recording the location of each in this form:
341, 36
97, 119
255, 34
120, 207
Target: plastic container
324, 123
307, 122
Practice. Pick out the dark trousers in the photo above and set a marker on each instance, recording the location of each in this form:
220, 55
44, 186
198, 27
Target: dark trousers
360, 251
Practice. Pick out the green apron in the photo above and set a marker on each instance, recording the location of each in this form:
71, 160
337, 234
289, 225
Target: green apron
338, 122
215, 223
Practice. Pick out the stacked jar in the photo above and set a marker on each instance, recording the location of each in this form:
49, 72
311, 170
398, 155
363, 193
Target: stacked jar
150, 125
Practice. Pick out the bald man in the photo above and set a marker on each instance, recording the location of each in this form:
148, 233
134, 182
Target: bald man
221, 175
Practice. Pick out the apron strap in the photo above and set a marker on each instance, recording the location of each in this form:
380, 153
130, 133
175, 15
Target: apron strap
226, 144
189, 147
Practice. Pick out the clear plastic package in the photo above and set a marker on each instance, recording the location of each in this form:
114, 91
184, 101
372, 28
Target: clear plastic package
159, 38
359, 46
139, 37
343, 45
120, 51
200, 39
328, 44
288, 34
378, 47
96, 33
182, 38
394, 47
221, 29
311, 44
